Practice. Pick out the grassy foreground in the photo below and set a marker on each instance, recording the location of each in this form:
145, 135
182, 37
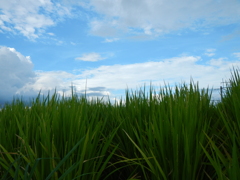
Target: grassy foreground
173, 134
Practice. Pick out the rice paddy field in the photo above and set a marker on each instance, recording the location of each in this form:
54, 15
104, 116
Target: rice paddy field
170, 134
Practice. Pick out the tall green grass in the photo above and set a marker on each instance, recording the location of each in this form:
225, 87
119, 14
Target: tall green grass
172, 133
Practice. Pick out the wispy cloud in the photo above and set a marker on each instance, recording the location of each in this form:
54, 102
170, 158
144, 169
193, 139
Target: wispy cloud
232, 35
109, 40
237, 54
92, 57
210, 52
51, 34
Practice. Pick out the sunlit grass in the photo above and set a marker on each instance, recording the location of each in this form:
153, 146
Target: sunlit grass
167, 134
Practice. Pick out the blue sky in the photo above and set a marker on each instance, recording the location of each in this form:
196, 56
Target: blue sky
115, 44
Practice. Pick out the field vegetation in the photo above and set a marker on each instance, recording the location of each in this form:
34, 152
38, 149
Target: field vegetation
170, 134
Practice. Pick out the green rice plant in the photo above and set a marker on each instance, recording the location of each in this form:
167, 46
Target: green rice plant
55, 139
166, 133
225, 144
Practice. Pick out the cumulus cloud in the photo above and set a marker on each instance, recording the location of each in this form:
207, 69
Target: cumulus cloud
16, 71
154, 17
18, 77
30, 17
92, 57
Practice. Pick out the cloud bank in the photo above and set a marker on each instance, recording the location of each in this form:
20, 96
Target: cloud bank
18, 77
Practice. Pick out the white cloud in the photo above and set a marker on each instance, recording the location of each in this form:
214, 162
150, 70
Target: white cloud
154, 17
210, 52
30, 17
48, 81
93, 57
